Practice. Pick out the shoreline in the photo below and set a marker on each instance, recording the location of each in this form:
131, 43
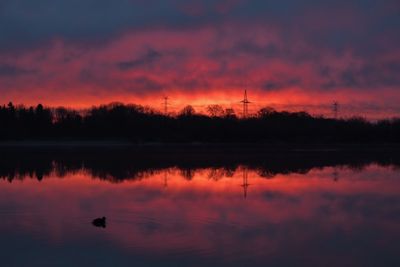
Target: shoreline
203, 146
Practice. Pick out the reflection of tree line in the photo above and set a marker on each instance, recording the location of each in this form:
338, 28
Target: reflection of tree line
119, 165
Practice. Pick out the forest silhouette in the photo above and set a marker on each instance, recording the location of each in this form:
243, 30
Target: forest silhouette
139, 124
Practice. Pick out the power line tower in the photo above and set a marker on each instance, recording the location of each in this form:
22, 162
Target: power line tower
335, 109
166, 105
245, 102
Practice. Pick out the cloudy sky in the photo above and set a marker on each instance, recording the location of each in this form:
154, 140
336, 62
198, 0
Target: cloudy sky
289, 54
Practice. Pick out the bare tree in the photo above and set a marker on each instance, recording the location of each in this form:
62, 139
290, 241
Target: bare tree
215, 111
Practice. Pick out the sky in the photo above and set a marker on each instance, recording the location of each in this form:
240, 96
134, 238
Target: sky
288, 54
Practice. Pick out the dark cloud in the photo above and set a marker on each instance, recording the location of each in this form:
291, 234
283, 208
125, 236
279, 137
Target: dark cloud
12, 71
365, 76
150, 57
268, 51
145, 84
324, 71
273, 85
24, 22
190, 84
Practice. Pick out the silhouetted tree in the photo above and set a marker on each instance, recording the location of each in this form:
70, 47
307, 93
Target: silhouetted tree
215, 111
136, 123
230, 113
266, 112
187, 111
11, 107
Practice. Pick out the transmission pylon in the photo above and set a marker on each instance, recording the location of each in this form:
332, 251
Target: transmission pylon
166, 105
335, 109
245, 102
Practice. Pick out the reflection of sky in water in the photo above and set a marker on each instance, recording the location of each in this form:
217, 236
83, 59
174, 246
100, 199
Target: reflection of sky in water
329, 217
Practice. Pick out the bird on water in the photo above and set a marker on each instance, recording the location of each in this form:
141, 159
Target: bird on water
99, 222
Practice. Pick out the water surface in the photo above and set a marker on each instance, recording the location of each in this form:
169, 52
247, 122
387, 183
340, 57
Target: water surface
232, 214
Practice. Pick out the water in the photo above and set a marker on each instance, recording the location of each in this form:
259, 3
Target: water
225, 214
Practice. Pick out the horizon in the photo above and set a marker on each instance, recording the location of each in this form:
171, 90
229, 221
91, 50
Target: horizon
325, 110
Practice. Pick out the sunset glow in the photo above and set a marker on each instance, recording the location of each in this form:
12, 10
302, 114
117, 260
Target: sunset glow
289, 56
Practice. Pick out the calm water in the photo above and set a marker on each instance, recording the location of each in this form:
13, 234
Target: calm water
236, 215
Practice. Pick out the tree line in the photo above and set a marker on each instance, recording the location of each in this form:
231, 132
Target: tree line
139, 124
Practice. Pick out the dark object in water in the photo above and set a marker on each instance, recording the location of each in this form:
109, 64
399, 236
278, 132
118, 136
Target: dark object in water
99, 222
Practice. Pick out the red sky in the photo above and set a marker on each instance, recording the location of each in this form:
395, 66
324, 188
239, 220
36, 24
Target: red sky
294, 56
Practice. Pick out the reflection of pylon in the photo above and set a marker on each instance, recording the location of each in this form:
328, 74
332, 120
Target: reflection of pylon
245, 102
165, 179
166, 105
335, 174
245, 184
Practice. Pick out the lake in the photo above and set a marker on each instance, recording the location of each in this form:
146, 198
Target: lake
225, 208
